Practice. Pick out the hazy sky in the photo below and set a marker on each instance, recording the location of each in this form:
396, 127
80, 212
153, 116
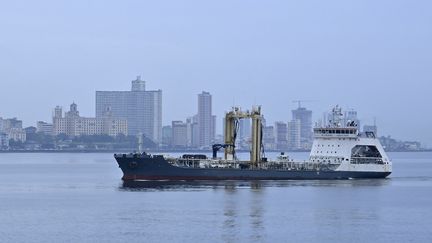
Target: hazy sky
374, 56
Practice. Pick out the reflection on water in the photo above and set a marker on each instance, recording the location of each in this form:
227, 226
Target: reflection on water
256, 213
244, 205
230, 214
179, 185
255, 186
234, 206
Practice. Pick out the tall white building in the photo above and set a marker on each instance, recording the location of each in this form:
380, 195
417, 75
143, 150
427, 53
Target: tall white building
140, 107
305, 118
206, 121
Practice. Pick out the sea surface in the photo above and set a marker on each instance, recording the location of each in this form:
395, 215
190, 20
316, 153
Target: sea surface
60, 197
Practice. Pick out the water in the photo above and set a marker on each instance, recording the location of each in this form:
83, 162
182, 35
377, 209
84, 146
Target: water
80, 198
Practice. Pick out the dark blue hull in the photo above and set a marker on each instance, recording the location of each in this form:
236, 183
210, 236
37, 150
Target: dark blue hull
157, 168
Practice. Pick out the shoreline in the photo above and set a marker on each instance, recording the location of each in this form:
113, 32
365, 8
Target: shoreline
173, 151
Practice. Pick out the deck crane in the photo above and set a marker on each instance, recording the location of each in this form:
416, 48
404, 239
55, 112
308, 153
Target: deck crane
231, 127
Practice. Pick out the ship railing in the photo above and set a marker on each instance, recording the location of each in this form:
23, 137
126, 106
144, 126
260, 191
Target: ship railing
366, 160
298, 165
328, 135
206, 163
186, 162
246, 165
132, 155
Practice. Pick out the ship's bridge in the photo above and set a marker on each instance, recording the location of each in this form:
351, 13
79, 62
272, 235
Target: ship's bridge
335, 128
337, 132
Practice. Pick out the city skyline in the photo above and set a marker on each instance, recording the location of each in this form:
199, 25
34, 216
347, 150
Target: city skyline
279, 135
316, 117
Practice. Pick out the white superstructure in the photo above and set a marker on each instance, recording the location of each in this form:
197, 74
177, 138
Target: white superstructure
344, 147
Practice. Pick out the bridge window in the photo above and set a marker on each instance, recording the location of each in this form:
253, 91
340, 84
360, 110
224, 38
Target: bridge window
366, 154
365, 151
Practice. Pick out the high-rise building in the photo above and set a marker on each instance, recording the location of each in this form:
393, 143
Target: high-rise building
72, 124
305, 118
294, 135
179, 134
140, 107
281, 134
206, 123
269, 137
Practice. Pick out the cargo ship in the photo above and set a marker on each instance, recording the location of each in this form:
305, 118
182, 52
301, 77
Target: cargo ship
339, 151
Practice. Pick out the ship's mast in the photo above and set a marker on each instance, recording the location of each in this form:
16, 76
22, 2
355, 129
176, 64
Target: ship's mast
231, 127
336, 117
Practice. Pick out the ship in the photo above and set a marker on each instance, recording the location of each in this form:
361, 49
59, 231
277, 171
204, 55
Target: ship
339, 151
